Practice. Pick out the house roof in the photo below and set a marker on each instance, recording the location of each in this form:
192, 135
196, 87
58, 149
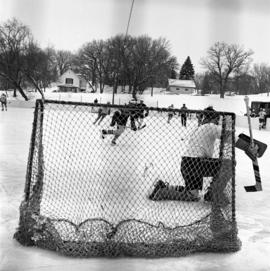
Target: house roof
181, 83
67, 86
70, 71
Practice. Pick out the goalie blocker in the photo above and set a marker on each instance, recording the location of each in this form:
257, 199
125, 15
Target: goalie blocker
244, 143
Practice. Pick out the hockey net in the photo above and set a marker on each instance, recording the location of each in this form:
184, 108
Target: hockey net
86, 197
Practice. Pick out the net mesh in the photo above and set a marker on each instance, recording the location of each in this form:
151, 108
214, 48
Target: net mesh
108, 180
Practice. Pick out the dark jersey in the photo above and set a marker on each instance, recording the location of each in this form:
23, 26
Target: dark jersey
183, 113
138, 111
142, 107
120, 118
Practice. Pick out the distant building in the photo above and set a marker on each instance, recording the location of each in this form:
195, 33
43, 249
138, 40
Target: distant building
71, 82
181, 86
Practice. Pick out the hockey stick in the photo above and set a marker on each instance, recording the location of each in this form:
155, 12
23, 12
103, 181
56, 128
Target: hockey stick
142, 127
256, 169
139, 128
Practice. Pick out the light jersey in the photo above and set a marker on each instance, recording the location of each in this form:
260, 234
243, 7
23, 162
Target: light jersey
3, 98
105, 110
262, 114
202, 141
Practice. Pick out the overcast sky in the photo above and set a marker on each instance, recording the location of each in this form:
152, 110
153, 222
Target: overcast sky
191, 26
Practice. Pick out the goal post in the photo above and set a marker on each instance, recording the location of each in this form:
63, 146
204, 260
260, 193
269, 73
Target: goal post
88, 182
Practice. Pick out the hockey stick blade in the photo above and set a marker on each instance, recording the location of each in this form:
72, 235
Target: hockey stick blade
258, 185
142, 127
251, 188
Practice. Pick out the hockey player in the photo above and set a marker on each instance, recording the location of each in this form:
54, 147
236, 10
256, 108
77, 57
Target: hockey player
94, 109
3, 100
199, 118
252, 113
102, 113
171, 113
262, 118
142, 112
198, 162
184, 115
133, 114
119, 119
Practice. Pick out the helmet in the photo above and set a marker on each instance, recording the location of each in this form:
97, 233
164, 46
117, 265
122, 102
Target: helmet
210, 114
209, 108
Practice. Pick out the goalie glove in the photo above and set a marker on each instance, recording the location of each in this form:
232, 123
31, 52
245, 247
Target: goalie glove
252, 153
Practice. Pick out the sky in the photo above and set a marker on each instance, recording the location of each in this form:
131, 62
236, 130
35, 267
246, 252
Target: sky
190, 26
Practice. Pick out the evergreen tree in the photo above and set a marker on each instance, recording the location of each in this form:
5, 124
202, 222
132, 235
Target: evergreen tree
187, 70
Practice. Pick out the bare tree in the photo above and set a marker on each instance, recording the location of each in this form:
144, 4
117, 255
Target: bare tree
116, 52
14, 43
244, 84
152, 63
92, 62
261, 73
223, 60
39, 67
64, 60
124, 60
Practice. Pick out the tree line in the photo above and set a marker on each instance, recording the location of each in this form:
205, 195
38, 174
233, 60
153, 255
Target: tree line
229, 68
135, 63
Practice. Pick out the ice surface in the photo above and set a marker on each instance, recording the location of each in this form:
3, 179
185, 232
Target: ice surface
112, 183
252, 209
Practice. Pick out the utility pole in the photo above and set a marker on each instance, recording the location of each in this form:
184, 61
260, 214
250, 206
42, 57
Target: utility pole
130, 13
129, 17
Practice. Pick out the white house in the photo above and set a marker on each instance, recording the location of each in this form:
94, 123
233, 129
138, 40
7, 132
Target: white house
181, 86
71, 82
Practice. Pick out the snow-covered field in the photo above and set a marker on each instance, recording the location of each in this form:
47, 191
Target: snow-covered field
159, 99
252, 210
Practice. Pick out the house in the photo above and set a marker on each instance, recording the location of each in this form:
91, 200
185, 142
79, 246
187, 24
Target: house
181, 86
71, 82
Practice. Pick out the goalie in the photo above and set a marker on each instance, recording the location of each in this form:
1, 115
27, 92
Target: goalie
197, 163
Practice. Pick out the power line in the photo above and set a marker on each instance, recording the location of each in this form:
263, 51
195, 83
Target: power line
130, 12
129, 16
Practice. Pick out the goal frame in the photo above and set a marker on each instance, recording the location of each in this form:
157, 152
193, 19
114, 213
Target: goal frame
37, 230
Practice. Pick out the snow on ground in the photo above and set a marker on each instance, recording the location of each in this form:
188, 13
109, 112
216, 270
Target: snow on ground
111, 182
252, 209
159, 99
